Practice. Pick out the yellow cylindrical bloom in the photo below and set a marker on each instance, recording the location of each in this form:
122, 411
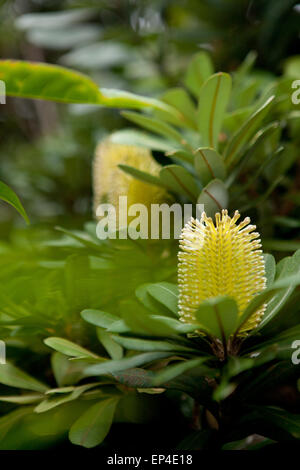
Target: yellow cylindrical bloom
221, 259
110, 182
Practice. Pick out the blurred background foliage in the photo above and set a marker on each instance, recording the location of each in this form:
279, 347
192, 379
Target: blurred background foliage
47, 148
141, 46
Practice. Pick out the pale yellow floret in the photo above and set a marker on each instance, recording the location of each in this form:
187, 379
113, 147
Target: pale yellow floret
224, 258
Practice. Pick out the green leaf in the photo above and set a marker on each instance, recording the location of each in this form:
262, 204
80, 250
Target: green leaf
177, 179
213, 101
51, 82
209, 165
141, 139
177, 326
277, 418
199, 69
140, 175
48, 82
237, 141
55, 401
214, 197
21, 399
136, 378
69, 348
137, 344
140, 323
14, 377
173, 371
8, 195
281, 245
218, 316
179, 99
154, 125
285, 283
99, 318
112, 347
93, 426
270, 268
288, 279
110, 367
66, 372
165, 293
181, 155
124, 99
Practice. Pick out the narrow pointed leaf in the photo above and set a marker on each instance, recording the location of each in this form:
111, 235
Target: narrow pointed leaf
213, 101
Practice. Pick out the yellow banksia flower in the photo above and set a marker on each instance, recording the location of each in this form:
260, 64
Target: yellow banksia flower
110, 182
220, 259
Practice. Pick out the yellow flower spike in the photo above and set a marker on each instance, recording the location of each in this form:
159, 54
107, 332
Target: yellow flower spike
110, 182
220, 259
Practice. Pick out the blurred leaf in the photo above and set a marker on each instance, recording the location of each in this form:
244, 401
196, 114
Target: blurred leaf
140, 175
52, 82
99, 55
270, 268
22, 399
14, 377
137, 344
8, 195
179, 98
140, 139
68, 348
154, 125
213, 100
199, 70
237, 141
93, 426
48, 82
49, 20
99, 318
